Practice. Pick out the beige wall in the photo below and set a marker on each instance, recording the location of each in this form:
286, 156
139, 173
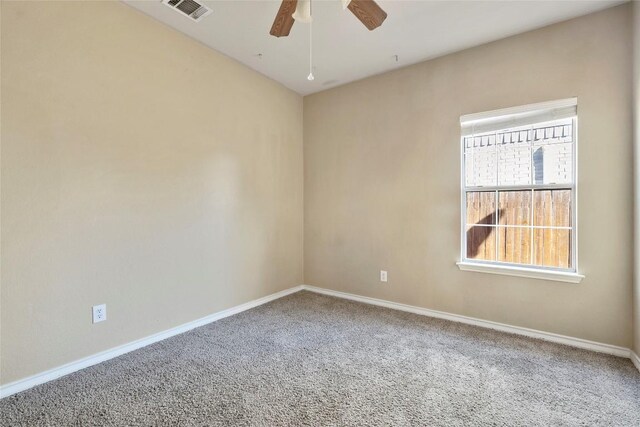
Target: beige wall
139, 169
636, 120
382, 179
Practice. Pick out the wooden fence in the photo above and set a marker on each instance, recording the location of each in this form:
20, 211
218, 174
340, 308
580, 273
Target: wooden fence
524, 227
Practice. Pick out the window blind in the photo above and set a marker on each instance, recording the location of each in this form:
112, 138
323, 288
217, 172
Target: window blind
491, 121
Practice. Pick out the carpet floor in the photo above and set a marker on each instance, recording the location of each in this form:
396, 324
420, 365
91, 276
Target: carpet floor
314, 360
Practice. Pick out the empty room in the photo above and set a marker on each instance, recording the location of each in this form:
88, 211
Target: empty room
319, 213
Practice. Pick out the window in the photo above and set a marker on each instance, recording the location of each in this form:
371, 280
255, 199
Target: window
519, 191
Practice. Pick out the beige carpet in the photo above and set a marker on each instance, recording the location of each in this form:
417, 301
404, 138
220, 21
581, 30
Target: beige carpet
314, 360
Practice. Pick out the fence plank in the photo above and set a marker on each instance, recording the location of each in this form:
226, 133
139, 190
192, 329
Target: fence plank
551, 247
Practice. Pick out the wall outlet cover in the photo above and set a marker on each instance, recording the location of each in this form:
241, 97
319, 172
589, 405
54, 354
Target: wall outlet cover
99, 313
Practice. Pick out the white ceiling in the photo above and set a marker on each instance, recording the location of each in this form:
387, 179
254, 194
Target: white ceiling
344, 50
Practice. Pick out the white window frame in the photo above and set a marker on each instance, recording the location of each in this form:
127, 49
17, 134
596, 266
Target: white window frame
511, 117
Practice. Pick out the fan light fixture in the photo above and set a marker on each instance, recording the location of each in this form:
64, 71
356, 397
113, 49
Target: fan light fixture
367, 11
303, 12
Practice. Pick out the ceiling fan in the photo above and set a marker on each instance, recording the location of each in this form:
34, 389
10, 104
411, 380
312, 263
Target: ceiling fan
367, 11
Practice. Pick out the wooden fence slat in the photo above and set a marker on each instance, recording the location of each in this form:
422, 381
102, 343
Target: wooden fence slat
551, 247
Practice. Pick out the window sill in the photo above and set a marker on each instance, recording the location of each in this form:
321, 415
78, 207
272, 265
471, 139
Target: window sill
557, 276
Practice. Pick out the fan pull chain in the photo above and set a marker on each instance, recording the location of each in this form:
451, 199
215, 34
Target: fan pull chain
310, 76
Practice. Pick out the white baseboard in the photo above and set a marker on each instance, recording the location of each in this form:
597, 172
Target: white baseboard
52, 374
635, 359
547, 336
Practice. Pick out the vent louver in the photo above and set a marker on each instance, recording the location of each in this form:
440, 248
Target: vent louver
191, 8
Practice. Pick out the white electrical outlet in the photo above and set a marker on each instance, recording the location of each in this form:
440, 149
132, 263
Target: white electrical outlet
99, 313
383, 276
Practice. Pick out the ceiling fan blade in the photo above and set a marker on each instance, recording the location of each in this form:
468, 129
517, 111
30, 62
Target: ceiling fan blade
284, 21
368, 12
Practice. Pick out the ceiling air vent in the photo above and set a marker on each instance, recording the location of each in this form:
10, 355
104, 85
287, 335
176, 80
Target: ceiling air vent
191, 8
